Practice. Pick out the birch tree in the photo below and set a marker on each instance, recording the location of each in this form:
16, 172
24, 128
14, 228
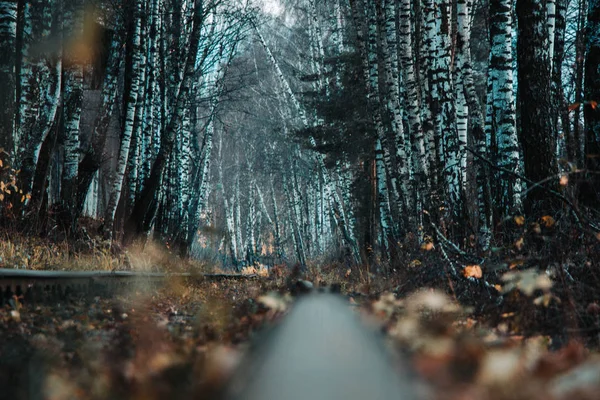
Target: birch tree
43, 94
8, 78
137, 80
93, 154
141, 215
72, 106
501, 105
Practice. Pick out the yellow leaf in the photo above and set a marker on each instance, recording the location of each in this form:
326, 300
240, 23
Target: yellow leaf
1, 163
472, 271
22, 199
1, 196
414, 264
519, 220
548, 221
427, 246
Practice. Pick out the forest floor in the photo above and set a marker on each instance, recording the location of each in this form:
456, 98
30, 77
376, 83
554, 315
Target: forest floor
465, 338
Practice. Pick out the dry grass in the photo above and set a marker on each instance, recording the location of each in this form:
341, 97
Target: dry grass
18, 251
38, 254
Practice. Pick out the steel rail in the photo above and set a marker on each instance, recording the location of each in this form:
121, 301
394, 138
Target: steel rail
34, 285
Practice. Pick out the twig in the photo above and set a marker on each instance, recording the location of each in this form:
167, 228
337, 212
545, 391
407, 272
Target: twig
568, 202
444, 240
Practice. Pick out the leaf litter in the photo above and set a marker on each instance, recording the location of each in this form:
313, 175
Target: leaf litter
184, 341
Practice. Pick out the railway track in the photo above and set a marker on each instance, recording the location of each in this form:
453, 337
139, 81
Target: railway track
33, 286
319, 351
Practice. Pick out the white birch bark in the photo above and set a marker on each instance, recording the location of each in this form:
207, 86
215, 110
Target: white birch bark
238, 216
551, 15
413, 105
8, 46
503, 113
42, 110
227, 209
116, 184
72, 103
392, 80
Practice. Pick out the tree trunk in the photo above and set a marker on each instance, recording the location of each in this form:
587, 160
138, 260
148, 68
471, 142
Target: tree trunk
137, 80
139, 221
72, 106
537, 134
93, 155
592, 95
8, 36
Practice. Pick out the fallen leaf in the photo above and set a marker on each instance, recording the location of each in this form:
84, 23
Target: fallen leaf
472, 271
548, 221
519, 220
16, 316
519, 243
427, 246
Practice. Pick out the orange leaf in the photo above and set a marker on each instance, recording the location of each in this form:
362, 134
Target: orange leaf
593, 104
573, 106
564, 180
427, 246
548, 221
519, 220
472, 271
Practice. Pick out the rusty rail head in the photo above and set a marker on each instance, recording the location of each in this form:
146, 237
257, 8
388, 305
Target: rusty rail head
320, 351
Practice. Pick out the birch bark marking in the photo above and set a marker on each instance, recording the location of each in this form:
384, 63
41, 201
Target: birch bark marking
8, 36
413, 105
446, 126
140, 219
503, 112
551, 16
72, 106
367, 44
130, 111
48, 72
403, 157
